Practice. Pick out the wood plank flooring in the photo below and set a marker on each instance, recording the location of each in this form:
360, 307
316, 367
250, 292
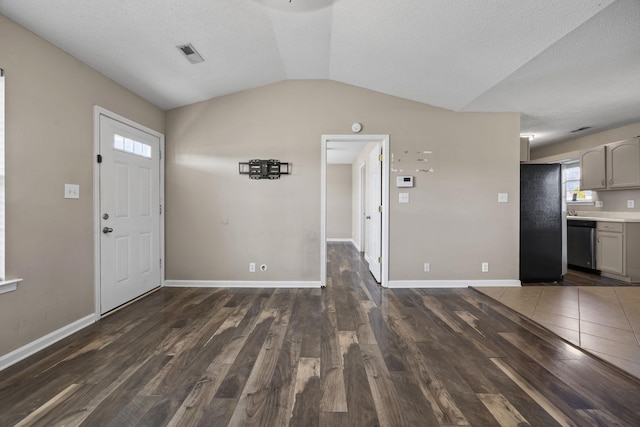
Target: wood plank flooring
352, 354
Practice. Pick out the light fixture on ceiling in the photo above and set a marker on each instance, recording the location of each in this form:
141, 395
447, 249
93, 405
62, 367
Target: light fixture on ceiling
190, 53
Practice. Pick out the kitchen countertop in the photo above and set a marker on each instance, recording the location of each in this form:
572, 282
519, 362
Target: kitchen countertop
606, 216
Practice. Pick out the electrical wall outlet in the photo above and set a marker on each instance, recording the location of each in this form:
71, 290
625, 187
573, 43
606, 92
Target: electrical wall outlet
599, 203
503, 197
427, 267
485, 267
631, 204
252, 267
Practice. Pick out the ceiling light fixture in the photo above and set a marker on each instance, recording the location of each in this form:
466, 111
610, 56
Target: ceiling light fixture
190, 53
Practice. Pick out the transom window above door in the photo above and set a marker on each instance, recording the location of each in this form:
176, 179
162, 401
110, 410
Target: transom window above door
131, 146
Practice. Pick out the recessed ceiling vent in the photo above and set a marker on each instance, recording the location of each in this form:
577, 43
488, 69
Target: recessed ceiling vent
580, 129
190, 53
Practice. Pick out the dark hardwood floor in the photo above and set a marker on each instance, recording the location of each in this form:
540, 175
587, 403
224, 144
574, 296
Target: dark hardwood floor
352, 354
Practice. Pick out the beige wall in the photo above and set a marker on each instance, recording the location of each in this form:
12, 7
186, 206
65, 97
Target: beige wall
218, 221
613, 201
339, 201
49, 142
454, 220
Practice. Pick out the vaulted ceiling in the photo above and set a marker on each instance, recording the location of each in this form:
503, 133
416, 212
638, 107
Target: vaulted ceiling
564, 64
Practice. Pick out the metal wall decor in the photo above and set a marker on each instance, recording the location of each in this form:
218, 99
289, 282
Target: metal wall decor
264, 169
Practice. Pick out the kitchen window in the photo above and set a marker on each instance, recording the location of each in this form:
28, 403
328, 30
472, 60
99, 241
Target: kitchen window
571, 172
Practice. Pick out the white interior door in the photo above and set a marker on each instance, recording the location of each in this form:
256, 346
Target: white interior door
374, 223
129, 213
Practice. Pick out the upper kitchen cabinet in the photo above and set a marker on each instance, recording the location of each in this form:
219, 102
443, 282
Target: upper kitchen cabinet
611, 166
592, 169
623, 164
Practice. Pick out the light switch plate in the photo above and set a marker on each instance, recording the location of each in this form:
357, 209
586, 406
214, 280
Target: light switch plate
631, 204
503, 197
71, 191
403, 197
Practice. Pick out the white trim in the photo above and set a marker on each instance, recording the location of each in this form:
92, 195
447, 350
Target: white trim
452, 283
384, 142
43, 342
356, 245
239, 284
341, 240
9, 285
97, 112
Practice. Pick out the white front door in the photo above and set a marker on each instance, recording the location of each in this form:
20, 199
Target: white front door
129, 213
374, 235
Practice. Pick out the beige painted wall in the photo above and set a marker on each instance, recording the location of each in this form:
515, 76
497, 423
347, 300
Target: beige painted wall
339, 201
613, 201
49, 142
454, 220
218, 221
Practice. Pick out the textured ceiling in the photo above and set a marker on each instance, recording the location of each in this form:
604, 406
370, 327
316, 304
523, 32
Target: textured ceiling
563, 64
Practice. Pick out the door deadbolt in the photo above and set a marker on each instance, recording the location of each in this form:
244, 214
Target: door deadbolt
105, 216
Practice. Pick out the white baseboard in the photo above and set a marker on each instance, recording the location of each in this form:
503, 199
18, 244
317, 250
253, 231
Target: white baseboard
452, 283
345, 240
43, 342
239, 284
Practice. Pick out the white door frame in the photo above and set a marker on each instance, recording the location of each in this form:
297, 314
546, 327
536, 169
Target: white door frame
97, 112
384, 142
362, 206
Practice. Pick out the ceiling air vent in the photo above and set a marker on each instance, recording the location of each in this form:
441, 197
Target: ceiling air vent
190, 53
580, 129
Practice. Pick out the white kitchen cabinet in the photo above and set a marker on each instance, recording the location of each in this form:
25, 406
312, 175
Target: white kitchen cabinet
611, 166
618, 250
592, 169
623, 164
610, 252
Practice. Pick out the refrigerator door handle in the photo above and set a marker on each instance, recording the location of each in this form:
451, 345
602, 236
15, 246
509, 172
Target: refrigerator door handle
592, 242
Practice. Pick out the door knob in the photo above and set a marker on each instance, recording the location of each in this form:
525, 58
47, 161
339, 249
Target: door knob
107, 230
367, 217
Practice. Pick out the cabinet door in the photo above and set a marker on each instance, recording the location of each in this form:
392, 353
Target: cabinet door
623, 164
592, 169
610, 252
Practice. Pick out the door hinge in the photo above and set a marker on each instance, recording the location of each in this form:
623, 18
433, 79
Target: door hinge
380, 157
160, 209
379, 260
160, 151
99, 158
161, 263
380, 209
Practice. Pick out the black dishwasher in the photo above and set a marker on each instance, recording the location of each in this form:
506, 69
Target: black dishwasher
581, 244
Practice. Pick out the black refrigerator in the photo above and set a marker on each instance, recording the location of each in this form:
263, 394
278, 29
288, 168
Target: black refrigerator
543, 254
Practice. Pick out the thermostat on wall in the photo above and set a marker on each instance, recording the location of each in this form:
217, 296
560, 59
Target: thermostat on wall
404, 181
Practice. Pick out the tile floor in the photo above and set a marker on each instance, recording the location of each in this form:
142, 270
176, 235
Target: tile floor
604, 321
